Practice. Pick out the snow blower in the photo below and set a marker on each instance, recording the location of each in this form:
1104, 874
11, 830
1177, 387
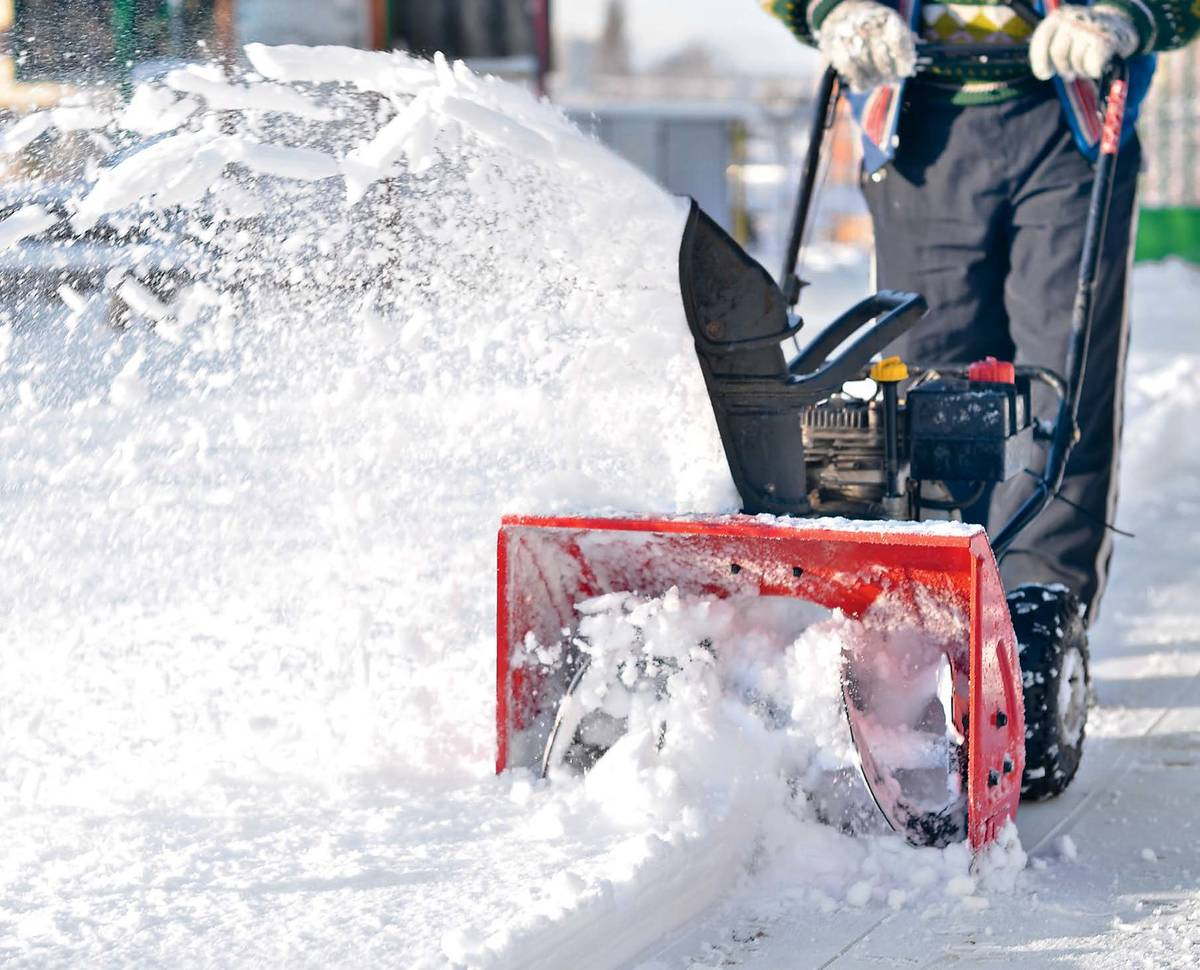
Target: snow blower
848, 502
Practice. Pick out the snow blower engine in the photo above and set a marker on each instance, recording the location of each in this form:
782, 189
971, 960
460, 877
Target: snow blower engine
833, 431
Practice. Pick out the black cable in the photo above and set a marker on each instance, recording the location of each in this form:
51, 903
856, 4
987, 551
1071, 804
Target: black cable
1086, 512
954, 504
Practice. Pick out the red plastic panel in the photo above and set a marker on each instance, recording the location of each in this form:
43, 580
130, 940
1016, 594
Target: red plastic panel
996, 739
547, 565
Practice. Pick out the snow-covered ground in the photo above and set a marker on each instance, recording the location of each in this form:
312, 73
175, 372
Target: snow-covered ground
248, 554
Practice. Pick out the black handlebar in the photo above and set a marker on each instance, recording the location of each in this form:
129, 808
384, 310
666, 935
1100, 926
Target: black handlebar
897, 313
954, 54
790, 283
893, 303
814, 374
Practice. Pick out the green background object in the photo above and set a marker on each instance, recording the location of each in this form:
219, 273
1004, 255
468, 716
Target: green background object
1169, 232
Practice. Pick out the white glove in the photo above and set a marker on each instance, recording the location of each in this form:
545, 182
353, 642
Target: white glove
868, 44
1077, 41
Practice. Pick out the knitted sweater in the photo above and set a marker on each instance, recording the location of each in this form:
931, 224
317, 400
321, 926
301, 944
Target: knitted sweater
1162, 25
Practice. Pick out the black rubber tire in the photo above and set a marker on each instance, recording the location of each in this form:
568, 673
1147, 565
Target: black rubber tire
1050, 635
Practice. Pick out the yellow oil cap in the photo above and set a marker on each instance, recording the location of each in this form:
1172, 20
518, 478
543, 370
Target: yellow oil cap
890, 370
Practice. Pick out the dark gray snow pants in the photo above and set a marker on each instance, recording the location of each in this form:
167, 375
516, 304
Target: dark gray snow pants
983, 211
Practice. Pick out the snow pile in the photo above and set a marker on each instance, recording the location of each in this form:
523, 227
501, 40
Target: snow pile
253, 475
699, 703
257, 524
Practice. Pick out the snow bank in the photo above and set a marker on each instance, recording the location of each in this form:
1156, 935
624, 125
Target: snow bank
415, 299
251, 496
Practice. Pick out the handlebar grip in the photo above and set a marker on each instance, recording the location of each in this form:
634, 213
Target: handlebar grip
965, 53
893, 311
886, 300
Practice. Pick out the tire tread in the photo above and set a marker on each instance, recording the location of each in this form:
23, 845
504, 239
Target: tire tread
1047, 623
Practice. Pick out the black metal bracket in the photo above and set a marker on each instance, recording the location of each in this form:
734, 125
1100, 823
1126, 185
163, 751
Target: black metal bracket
749, 343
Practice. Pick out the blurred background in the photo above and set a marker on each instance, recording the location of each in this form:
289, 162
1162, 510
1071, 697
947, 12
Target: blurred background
710, 97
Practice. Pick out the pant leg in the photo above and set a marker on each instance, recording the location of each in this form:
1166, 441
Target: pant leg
983, 211
1049, 216
939, 216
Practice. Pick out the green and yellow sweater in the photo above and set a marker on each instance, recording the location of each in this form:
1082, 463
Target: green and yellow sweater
1162, 24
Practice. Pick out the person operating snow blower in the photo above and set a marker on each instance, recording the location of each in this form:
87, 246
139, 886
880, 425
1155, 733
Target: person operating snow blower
977, 175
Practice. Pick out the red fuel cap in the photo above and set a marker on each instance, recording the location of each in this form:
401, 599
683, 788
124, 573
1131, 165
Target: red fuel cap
993, 371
